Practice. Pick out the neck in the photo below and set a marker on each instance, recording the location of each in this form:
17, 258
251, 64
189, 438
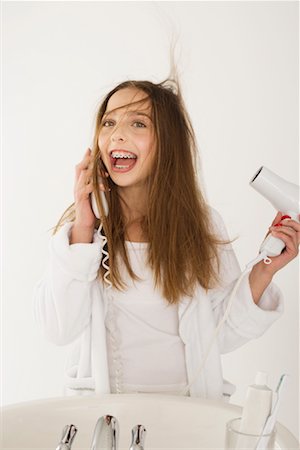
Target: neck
133, 202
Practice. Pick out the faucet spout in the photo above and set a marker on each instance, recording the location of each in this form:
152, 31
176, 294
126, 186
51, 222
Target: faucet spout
138, 437
106, 434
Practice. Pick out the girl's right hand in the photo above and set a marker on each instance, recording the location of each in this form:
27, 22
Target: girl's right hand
84, 224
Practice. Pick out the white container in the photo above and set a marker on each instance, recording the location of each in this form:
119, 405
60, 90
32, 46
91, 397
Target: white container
257, 408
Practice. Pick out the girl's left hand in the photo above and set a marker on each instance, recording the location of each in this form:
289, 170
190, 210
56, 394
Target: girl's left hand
288, 231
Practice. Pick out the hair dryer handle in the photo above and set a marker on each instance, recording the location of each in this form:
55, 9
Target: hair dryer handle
272, 246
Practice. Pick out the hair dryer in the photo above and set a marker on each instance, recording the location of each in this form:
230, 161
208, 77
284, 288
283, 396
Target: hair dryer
284, 196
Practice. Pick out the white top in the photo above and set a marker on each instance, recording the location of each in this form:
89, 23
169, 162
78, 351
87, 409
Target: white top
143, 343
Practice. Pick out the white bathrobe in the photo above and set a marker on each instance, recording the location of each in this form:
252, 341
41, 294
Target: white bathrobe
71, 305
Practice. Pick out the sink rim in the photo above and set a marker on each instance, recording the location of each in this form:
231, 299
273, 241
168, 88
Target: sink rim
93, 401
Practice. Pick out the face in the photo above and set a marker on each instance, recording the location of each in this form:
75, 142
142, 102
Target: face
126, 139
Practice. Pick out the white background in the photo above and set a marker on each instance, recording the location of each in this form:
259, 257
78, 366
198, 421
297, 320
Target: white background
238, 63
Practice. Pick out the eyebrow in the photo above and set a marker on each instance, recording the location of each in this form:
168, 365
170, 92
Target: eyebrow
129, 113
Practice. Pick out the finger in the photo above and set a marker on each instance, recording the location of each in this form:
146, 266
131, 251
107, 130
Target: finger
88, 188
290, 248
84, 191
85, 177
287, 220
103, 188
281, 228
291, 224
103, 172
288, 236
86, 158
289, 227
84, 163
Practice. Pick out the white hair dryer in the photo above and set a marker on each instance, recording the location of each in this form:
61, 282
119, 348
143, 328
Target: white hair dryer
284, 196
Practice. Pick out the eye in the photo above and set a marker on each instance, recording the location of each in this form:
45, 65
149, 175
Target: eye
138, 124
107, 123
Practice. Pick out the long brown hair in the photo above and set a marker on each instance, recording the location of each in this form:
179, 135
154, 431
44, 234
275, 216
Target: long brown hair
183, 249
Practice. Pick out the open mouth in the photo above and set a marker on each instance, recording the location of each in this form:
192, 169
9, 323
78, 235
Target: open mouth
122, 161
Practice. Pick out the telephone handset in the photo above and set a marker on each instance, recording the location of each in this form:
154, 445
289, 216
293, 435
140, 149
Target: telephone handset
102, 194
95, 206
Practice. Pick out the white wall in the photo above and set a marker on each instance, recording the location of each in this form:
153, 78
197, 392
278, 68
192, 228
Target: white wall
239, 70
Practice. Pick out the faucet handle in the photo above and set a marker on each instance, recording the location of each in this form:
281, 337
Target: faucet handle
67, 437
138, 437
106, 434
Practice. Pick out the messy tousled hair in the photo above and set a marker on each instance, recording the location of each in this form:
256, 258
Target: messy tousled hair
183, 249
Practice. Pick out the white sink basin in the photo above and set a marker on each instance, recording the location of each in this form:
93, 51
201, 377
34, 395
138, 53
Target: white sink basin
172, 422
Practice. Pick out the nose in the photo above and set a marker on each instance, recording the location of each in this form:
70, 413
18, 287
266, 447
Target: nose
118, 135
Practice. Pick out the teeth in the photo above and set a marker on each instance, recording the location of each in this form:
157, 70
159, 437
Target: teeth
118, 155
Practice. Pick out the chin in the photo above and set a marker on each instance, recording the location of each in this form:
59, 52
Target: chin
121, 181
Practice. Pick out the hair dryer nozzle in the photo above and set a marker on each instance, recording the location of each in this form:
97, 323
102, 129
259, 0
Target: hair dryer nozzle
283, 195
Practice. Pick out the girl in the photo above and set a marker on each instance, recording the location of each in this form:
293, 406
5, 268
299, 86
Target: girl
171, 265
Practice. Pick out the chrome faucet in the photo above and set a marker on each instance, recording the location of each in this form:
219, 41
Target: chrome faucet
106, 434
67, 437
138, 437
105, 437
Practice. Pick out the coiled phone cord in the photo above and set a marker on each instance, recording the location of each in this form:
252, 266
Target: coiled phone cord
111, 322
